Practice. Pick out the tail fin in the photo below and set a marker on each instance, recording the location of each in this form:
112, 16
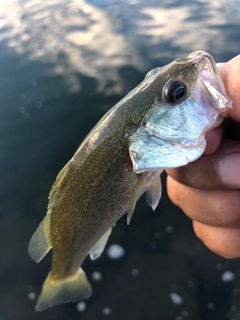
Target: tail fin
72, 288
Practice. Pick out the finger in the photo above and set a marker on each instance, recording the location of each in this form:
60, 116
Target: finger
220, 208
216, 171
213, 139
223, 241
230, 75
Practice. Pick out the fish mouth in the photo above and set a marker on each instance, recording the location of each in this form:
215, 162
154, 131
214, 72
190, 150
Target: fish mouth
210, 87
210, 93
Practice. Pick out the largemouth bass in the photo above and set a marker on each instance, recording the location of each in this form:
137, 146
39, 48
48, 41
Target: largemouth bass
160, 124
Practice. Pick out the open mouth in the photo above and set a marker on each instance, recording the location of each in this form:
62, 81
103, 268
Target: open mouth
211, 82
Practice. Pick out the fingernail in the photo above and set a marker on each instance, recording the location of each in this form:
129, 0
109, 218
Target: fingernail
229, 170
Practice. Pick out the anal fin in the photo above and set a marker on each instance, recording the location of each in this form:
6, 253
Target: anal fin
40, 242
99, 246
154, 192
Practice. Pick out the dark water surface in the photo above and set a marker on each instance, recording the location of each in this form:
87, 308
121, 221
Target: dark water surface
63, 64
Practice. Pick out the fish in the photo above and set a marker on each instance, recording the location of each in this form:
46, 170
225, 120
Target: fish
160, 124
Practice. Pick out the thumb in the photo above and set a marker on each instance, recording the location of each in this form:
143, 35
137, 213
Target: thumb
230, 72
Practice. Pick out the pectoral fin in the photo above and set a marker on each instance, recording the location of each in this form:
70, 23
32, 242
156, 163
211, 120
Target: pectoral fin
136, 194
98, 248
154, 192
40, 242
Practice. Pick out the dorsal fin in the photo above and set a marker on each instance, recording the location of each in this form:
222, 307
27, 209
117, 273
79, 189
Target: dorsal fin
40, 242
59, 184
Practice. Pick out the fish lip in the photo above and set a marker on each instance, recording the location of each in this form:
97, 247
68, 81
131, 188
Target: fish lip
211, 82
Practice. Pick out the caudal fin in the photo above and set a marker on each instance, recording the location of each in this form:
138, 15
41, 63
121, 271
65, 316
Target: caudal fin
72, 288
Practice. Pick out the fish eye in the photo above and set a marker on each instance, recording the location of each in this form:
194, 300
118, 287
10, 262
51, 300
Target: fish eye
175, 91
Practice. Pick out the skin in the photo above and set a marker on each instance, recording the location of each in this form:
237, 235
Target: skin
213, 181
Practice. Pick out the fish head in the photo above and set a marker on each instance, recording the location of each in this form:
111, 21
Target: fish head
189, 100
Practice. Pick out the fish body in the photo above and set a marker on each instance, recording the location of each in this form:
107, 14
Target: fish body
160, 124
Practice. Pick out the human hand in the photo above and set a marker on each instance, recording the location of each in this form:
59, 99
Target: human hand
208, 190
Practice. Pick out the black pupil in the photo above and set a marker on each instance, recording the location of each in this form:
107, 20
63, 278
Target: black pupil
176, 91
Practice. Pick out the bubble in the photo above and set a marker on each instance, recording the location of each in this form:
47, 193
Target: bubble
97, 276
191, 284
184, 313
233, 308
153, 244
206, 286
135, 272
176, 298
219, 266
23, 96
178, 318
236, 291
39, 104
81, 306
22, 109
228, 276
156, 236
211, 306
106, 311
26, 115
173, 287
32, 295
115, 252
169, 229
34, 84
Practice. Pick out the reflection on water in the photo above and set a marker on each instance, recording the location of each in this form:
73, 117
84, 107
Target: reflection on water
80, 37
63, 64
74, 36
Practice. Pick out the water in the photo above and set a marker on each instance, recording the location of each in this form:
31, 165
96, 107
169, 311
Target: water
63, 64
